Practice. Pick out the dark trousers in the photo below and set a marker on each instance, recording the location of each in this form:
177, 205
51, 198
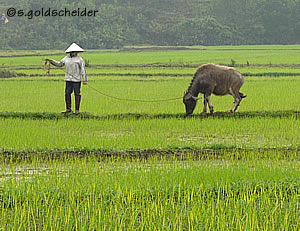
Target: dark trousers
72, 86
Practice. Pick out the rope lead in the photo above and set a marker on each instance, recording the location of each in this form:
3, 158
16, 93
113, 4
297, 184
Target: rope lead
135, 100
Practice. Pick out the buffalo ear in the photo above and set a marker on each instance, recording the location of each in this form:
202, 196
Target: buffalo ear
196, 98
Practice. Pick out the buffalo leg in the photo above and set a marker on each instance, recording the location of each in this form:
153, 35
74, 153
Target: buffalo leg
205, 105
211, 108
237, 100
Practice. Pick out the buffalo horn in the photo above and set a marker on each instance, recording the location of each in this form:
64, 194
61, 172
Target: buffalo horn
196, 98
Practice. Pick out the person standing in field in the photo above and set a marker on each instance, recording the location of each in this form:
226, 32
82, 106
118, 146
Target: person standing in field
75, 74
4, 19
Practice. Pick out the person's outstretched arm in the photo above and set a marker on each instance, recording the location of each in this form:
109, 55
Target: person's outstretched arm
55, 63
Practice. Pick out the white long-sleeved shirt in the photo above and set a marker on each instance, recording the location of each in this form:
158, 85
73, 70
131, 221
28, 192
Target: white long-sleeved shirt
75, 68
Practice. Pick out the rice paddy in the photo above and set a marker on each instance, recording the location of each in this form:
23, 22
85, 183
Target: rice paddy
157, 193
127, 165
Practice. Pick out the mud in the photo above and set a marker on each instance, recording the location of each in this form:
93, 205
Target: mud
10, 74
179, 154
157, 48
137, 116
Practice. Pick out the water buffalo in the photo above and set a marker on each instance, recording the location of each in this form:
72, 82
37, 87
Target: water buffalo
216, 79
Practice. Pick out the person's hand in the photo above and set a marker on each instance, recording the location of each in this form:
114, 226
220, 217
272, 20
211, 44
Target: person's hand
84, 82
49, 60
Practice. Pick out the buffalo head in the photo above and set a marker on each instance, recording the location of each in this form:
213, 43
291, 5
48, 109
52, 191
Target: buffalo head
190, 102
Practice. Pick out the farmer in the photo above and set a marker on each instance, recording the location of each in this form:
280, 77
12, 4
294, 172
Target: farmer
75, 73
4, 19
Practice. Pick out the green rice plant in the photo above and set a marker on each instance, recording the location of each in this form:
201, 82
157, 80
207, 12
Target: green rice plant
221, 55
38, 95
139, 134
148, 72
157, 193
128, 165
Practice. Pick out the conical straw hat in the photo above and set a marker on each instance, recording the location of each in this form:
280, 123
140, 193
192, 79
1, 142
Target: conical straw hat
74, 47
